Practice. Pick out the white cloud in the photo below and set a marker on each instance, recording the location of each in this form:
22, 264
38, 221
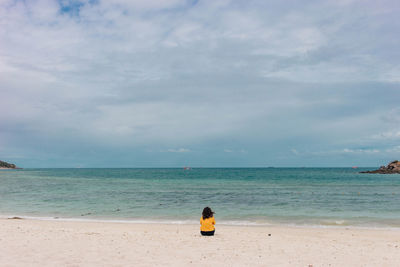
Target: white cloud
395, 149
294, 151
362, 151
180, 150
149, 4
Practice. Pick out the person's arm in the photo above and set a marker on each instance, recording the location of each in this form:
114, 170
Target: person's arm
213, 221
201, 221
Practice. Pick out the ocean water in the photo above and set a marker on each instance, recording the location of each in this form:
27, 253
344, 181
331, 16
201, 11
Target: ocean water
253, 196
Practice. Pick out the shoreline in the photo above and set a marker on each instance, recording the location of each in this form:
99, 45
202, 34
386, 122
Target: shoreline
244, 223
71, 243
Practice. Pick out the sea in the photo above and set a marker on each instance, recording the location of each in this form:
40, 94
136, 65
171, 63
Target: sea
316, 197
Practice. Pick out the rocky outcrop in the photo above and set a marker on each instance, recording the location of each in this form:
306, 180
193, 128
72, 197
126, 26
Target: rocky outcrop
5, 165
392, 167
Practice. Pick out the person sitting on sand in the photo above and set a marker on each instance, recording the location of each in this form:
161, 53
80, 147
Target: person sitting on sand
207, 222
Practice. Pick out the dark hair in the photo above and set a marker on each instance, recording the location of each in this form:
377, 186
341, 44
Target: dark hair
207, 213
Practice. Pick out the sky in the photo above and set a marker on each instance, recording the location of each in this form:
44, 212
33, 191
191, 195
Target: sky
207, 83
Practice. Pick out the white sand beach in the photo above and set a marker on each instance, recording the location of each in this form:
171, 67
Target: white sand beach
64, 243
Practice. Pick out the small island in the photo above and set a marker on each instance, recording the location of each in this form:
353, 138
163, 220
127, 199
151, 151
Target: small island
391, 168
7, 166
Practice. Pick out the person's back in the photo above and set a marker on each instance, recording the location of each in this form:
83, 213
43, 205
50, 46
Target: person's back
207, 222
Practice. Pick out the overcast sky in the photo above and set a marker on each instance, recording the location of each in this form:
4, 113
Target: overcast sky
170, 83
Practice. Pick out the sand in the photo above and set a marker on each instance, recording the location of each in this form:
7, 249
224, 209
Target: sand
30, 242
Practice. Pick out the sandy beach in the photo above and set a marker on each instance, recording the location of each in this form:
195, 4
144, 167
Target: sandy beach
65, 243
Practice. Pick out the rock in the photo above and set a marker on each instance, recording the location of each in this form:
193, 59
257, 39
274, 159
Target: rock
6, 165
392, 167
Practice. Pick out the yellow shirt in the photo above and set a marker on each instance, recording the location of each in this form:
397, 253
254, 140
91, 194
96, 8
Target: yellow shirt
207, 225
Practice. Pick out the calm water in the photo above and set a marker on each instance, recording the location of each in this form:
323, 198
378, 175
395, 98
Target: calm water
320, 196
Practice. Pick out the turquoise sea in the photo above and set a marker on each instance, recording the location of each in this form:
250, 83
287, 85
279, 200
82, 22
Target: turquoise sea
253, 196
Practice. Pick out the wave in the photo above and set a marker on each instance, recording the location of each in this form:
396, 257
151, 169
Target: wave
270, 223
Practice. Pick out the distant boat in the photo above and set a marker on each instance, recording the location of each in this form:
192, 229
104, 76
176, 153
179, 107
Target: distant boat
354, 167
187, 168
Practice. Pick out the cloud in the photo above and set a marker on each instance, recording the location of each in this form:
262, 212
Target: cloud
395, 149
391, 135
294, 151
125, 77
180, 150
367, 151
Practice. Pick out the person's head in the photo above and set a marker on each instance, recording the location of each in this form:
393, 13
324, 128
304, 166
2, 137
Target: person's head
207, 213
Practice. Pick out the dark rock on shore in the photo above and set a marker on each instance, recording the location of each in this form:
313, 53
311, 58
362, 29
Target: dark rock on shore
6, 165
392, 167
